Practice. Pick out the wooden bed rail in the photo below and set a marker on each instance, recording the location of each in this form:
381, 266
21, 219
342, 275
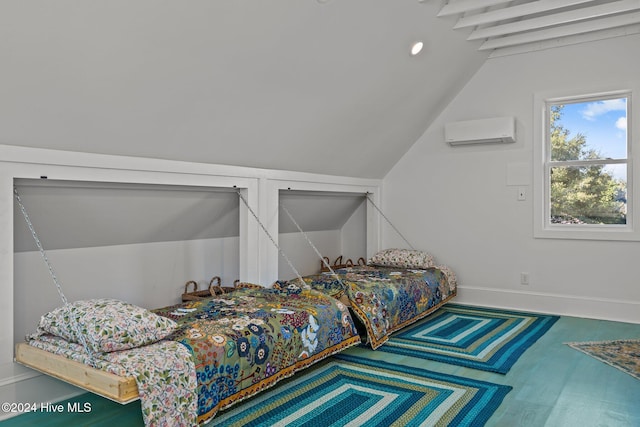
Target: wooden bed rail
119, 389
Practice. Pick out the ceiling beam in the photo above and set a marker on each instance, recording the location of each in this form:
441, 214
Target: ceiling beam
556, 19
515, 12
627, 30
462, 6
566, 30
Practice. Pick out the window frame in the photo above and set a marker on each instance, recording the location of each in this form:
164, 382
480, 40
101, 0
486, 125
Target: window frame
543, 228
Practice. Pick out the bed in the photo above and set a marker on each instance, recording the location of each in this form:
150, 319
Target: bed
397, 287
190, 360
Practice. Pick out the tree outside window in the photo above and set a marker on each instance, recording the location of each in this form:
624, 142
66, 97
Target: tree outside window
587, 156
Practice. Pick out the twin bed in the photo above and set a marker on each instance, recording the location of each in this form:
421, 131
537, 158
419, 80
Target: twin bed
386, 299
188, 361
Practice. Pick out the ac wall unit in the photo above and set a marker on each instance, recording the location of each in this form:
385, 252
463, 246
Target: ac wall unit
497, 130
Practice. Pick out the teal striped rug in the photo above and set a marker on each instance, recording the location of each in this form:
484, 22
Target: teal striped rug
354, 391
478, 338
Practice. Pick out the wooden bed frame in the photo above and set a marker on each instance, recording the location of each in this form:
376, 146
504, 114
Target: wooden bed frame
111, 386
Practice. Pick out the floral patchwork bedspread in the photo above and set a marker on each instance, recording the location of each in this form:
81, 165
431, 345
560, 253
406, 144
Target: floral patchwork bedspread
222, 350
386, 299
249, 339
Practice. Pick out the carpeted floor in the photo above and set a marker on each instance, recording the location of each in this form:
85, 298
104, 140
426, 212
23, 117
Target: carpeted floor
479, 338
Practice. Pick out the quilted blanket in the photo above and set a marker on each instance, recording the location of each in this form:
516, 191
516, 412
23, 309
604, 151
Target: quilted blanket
249, 339
386, 299
223, 350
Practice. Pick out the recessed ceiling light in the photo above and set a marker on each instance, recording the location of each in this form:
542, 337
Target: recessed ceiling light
416, 48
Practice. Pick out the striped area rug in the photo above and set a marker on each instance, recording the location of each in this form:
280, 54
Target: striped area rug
478, 338
354, 391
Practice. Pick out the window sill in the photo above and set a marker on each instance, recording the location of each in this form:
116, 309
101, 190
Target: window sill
612, 233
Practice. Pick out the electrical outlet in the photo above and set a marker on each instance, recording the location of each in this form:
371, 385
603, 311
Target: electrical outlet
522, 193
524, 278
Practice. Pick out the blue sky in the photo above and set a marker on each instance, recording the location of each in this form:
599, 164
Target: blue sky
603, 123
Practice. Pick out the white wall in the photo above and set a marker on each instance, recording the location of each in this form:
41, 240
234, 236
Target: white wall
301, 254
350, 241
354, 234
460, 203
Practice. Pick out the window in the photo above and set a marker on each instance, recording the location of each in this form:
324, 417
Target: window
585, 175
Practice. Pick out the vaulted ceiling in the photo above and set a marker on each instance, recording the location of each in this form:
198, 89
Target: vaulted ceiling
324, 86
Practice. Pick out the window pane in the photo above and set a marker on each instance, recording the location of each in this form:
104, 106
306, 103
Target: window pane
589, 194
589, 130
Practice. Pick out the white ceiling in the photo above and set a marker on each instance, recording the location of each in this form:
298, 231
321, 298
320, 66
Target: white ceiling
324, 86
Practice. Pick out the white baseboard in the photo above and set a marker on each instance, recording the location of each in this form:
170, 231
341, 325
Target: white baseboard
540, 302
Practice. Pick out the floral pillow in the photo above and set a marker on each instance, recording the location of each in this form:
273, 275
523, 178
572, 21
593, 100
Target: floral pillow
107, 324
402, 258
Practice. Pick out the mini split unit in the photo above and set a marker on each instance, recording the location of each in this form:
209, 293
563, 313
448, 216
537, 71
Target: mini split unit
497, 130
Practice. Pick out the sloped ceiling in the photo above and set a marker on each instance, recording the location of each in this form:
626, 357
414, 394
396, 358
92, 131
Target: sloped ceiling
68, 214
74, 214
324, 86
316, 211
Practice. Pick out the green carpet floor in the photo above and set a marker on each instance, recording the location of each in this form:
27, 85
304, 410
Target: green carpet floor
553, 385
